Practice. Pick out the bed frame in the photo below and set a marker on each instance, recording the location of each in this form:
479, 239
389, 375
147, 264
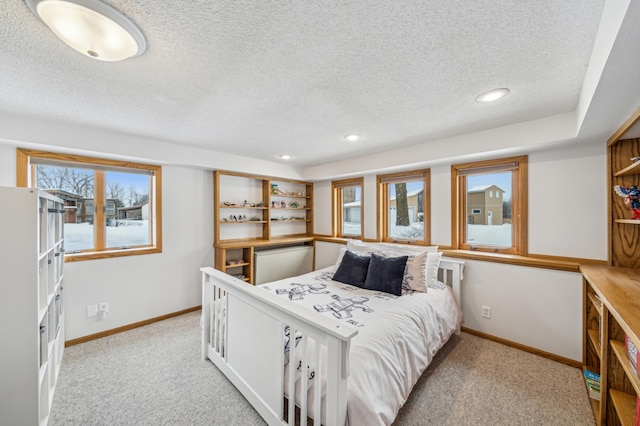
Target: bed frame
242, 333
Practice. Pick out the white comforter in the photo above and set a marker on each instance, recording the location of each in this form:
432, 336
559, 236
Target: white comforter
397, 337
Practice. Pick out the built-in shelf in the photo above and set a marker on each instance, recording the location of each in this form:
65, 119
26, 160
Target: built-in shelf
594, 336
596, 302
625, 406
629, 221
277, 225
633, 169
616, 310
621, 354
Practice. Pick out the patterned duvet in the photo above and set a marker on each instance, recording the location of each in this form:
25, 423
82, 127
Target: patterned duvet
397, 338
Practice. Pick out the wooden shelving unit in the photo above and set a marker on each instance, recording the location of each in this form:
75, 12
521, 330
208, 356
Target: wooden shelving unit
618, 289
249, 216
612, 293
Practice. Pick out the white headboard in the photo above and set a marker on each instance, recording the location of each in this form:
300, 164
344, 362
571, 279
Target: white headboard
451, 272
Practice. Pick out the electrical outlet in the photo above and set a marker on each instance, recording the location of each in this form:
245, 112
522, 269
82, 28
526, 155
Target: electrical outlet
92, 311
103, 309
486, 312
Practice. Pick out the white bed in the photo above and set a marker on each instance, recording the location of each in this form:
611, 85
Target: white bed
364, 350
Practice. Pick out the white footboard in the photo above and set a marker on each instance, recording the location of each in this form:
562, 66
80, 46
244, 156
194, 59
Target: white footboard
243, 334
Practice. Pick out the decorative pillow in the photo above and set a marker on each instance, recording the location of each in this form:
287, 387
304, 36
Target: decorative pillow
385, 274
415, 274
433, 263
341, 253
353, 269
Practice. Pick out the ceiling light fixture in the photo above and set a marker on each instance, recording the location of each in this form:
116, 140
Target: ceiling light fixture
493, 95
352, 137
285, 156
91, 27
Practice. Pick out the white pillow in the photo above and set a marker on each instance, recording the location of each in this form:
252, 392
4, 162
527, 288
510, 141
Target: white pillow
360, 248
401, 249
433, 263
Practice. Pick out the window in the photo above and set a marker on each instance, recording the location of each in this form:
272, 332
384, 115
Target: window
490, 205
347, 208
404, 205
112, 208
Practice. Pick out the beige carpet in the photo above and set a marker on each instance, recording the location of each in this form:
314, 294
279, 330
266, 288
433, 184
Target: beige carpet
154, 375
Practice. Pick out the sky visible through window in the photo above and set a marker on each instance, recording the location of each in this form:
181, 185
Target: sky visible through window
139, 182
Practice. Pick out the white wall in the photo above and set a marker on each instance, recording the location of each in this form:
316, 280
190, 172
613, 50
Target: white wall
567, 217
535, 307
142, 287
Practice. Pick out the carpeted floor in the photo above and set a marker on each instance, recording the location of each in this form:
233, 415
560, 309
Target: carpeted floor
154, 375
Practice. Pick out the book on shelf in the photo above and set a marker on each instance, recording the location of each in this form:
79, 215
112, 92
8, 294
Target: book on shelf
593, 384
592, 377
632, 353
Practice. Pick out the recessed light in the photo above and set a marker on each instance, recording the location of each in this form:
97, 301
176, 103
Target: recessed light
352, 137
284, 156
493, 95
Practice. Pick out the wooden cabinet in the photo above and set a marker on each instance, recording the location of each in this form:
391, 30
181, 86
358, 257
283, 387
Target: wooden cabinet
612, 310
612, 292
31, 303
256, 212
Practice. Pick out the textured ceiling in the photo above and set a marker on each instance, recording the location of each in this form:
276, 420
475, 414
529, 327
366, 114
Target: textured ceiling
263, 78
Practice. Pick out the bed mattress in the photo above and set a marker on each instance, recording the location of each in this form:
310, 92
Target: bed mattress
397, 338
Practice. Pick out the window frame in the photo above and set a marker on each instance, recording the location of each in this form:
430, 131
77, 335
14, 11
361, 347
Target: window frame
519, 203
383, 182
26, 174
337, 206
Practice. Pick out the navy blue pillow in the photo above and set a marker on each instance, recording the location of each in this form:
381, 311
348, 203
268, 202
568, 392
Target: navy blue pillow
385, 274
353, 269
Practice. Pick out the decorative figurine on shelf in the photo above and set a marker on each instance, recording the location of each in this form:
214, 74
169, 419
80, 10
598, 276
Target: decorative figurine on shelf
273, 204
294, 204
259, 204
631, 196
283, 205
274, 188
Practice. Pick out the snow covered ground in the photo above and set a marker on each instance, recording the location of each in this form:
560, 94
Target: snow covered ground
499, 235
79, 236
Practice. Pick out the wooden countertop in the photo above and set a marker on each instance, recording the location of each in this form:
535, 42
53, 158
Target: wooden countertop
619, 290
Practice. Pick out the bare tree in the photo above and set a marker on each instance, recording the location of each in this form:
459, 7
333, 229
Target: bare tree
80, 181
136, 198
50, 177
75, 181
116, 191
402, 205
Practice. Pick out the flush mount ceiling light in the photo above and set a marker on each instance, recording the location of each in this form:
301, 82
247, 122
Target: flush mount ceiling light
352, 137
91, 27
493, 95
284, 156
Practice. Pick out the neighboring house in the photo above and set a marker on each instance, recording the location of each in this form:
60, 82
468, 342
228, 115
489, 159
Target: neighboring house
414, 201
79, 209
140, 212
70, 204
484, 205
